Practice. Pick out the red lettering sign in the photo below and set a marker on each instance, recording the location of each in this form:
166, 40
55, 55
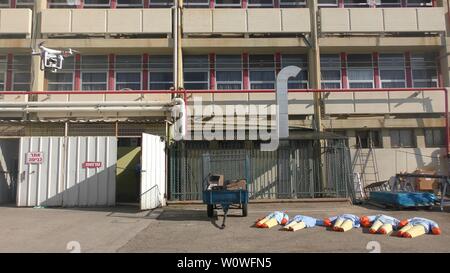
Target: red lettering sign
34, 158
91, 164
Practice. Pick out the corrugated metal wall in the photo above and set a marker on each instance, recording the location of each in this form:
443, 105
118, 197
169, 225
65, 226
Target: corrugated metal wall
289, 172
61, 180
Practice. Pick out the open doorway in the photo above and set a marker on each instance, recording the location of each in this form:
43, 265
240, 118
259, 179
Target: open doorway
128, 179
9, 166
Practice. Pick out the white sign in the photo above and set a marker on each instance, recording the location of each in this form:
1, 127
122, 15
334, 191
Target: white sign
34, 158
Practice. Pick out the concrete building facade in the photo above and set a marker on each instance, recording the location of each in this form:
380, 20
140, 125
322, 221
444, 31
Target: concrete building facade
145, 51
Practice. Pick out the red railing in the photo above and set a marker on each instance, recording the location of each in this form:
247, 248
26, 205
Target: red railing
185, 94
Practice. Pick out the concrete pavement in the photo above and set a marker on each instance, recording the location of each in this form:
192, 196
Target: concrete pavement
186, 228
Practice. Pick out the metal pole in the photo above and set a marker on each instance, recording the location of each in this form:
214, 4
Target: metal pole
314, 57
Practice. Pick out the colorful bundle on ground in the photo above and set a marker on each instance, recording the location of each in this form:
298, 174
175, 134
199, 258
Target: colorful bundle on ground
301, 222
343, 222
380, 223
273, 219
417, 226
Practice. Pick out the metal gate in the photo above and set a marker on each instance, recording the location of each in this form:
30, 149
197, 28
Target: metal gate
67, 171
289, 172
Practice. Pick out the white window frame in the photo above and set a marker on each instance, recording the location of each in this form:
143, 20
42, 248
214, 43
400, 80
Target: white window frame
161, 70
356, 5
433, 131
3, 70
217, 5
398, 132
379, 3
303, 68
259, 5
93, 71
16, 72
292, 3
251, 69
436, 81
104, 70
195, 5
97, 5
326, 5
160, 5
141, 5
127, 71
62, 83
217, 69
66, 69
430, 4
338, 68
207, 70
372, 81
20, 4
392, 68
56, 5
6, 5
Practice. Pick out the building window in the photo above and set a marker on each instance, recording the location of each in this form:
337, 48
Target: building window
25, 4
161, 3
128, 72
260, 3
4, 4
63, 79
97, 3
360, 71
228, 72
262, 72
21, 73
368, 138
424, 70
196, 72
328, 3
292, 3
62, 4
388, 3
301, 81
435, 137
196, 3
330, 70
94, 72
130, 3
356, 3
3, 69
160, 72
228, 3
402, 138
419, 3
392, 70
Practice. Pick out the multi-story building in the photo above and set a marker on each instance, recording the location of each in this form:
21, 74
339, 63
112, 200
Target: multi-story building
83, 125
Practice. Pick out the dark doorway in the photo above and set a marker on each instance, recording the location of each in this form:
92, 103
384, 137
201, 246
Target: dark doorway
128, 170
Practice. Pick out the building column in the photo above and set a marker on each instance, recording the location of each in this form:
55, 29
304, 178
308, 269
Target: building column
420, 137
351, 134
37, 75
385, 138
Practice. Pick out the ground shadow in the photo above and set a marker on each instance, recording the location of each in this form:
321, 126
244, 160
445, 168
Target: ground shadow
183, 215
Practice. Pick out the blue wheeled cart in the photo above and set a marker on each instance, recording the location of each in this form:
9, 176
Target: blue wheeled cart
225, 199
232, 165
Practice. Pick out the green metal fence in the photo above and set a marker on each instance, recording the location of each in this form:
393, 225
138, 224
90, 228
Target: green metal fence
292, 171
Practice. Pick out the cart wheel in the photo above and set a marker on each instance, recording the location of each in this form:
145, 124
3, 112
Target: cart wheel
244, 210
210, 210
